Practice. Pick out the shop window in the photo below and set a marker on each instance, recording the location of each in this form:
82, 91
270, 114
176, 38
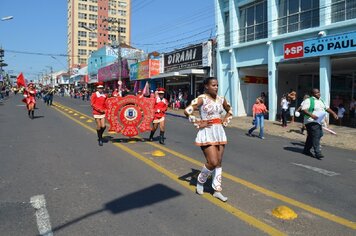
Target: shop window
253, 21
294, 15
343, 10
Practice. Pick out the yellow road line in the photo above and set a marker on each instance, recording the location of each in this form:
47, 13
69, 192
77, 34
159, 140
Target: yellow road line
311, 209
267, 192
234, 211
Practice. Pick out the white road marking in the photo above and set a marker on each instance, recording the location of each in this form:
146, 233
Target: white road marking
316, 169
21, 105
354, 161
43, 223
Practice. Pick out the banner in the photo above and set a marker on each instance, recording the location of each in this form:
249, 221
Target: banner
144, 69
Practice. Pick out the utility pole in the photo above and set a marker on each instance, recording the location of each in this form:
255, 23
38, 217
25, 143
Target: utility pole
51, 68
117, 21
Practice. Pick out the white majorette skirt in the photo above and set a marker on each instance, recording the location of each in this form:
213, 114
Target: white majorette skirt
99, 116
214, 135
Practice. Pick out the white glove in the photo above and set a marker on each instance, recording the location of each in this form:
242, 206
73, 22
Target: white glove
158, 111
192, 118
227, 122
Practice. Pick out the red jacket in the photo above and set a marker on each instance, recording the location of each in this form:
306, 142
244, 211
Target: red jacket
30, 96
97, 102
160, 108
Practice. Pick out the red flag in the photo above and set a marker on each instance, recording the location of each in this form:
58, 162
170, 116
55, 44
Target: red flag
21, 80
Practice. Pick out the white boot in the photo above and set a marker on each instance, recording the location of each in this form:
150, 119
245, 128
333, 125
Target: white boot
219, 195
216, 184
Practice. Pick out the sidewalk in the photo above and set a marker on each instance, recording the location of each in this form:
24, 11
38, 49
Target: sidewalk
345, 138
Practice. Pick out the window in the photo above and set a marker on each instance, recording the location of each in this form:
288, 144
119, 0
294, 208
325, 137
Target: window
122, 30
82, 52
122, 4
82, 6
227, 29
122, 21
112, 37
253, 22
82, 24
82, 61
82, 16
112, 11
122, 13
294, 15
93, 1
93, 8
93, 44
93, 17
92, 35
82, 42
82, 34
343, 10
93, 26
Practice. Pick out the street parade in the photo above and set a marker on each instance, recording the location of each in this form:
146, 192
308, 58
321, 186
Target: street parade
152, 117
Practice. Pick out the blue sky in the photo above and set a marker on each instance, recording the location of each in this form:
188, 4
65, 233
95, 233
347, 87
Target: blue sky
40, 26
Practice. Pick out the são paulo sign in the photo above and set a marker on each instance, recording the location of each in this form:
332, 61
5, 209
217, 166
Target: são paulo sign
329, 45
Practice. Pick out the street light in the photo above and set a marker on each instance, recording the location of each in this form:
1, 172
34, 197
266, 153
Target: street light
7, 18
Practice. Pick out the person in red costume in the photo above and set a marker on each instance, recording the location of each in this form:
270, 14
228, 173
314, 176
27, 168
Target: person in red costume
30, 99
160, 109
97, 102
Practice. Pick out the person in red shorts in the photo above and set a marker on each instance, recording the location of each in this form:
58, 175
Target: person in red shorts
160, 109
97, 102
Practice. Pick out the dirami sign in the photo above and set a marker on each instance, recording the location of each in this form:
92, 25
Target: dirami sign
328, 45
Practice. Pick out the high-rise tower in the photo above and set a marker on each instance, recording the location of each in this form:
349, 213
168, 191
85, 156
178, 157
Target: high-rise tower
88, 30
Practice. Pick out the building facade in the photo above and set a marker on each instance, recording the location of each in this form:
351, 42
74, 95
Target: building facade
273, 46
88, 30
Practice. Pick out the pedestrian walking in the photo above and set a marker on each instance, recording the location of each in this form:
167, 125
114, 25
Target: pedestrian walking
292, 98
284, 109
297, 113
160, 108
340, 113
211, 136
258, 113
30, 99
98, 104
315, 110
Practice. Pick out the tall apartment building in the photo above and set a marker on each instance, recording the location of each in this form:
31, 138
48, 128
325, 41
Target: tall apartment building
87, 30
273, 46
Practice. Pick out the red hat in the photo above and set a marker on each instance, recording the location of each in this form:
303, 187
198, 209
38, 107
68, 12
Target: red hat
161, 90
31, 84
100, 85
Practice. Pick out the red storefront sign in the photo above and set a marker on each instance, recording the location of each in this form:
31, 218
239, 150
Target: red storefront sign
293, 50
255, 80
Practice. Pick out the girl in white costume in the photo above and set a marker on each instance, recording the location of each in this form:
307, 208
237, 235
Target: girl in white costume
211, 135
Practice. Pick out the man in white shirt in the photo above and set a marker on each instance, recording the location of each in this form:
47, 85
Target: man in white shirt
314, 109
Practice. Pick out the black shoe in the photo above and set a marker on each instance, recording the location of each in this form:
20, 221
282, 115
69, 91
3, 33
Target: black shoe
100, 143
248, 134
161, 140
308, 153
319, 156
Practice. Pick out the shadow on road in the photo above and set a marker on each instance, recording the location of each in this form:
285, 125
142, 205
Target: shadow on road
37, 117
294, 149
145, 197
123, 140
192, 177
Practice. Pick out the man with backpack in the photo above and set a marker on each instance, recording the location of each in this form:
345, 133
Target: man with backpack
315, 110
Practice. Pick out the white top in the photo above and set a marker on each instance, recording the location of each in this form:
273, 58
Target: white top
211, 109
319, 107
284, 104
340, 112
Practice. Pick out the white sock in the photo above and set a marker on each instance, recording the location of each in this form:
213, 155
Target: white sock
216, 184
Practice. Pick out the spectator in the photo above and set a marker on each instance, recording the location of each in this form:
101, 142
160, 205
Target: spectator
340, 113
284, 109
292, 98
258, 110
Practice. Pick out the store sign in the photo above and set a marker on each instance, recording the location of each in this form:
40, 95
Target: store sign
186, 58
110, 72
255, 80
144, 69
329, 45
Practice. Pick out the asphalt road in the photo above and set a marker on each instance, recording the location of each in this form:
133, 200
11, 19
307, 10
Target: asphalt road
121, 189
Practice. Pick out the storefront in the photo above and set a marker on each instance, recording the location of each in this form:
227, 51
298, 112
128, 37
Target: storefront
184, 71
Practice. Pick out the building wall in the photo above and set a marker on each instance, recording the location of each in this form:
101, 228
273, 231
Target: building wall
264, 56
95, 11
